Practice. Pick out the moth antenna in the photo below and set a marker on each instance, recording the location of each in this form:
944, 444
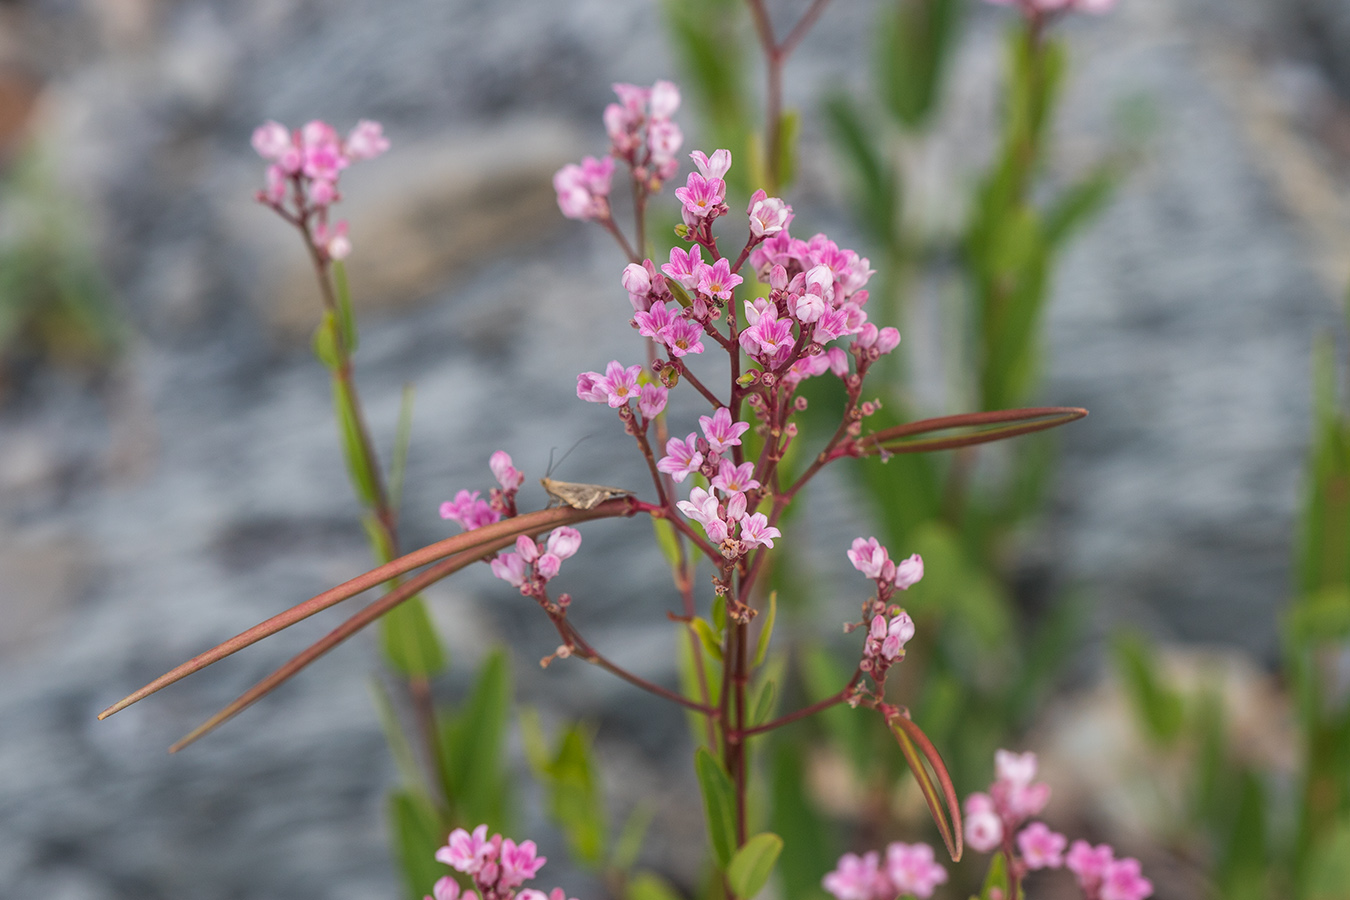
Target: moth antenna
565, 455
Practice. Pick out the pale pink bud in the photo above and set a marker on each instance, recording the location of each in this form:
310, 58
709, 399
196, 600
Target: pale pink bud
868, 556
277, 183
527, 548
366, 140
888, 339
563, 542
446, 888
908, 572
271, 140
504, 470
736, 506
339, 246
715, 166
984, 830
636, 281
322, 192
768, 215
838, 361
806, 307
665, 99
1018, 769
509, 567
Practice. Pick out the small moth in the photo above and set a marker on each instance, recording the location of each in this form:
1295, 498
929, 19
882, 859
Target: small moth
581, 496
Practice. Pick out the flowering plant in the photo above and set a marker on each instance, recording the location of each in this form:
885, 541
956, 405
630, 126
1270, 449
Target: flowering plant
776, 311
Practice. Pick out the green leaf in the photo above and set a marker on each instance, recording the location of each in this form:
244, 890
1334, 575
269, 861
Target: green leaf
346, 320
360, 469
719, 805
398, 464
647, 885
1159, 707
719, 616
764, 703
404, 759
1243, 868
416, 833
1328, 869
712, 644
916, 41
766, 630
326, 346
753, 863
667, 540
876, 188
474, 746
409, 641
631, 837
576, 801
996, 879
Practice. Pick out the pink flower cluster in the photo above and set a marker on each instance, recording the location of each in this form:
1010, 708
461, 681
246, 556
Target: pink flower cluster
889, 627
642, 134
992, 819
1047, 7
305, 168
909, 869
471, 512
532, 565
498, 866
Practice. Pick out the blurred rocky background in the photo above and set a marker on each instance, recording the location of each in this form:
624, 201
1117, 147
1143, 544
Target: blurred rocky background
168, 468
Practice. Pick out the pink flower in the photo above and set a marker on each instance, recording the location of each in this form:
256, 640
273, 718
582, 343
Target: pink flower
469, 511
1124, 881
323, 156
768, 338
908, 572
366, 140
913, 870
715, 166
720, 431
682, 458
702, 507
619, 384
857, 878
562, 544
518, 863
336, 244
583, 190
509, 567
277, 183
868, 556
654, 320
682, 336
702, 197
1040, 847
768, 215
652, 400
683, 266
1089, 864
465, 852
637, 281
271, 140
716, 280
1014, 768
756, 530
507, 475
731, 477
590, 387
665, 99
984, 829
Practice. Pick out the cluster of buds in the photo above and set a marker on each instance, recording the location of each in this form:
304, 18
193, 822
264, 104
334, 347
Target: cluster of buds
889, 627
996, 820
471, 512
498, 867
642, 134
909, 869
533, 565
302, 180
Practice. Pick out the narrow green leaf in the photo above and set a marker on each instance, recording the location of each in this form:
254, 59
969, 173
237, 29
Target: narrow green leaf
628, 845
1159, 708
764, 703
997, 879
719, 616
404, 759
360, 469
326, 342
753, 863
416, 833
766, 630
346, 319
474, 745
707, 636
667, 540
719, 805
985, 428
409, 641
576, 802
398, 464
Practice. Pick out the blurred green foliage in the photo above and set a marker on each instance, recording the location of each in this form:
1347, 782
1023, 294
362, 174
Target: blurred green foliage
55, 306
